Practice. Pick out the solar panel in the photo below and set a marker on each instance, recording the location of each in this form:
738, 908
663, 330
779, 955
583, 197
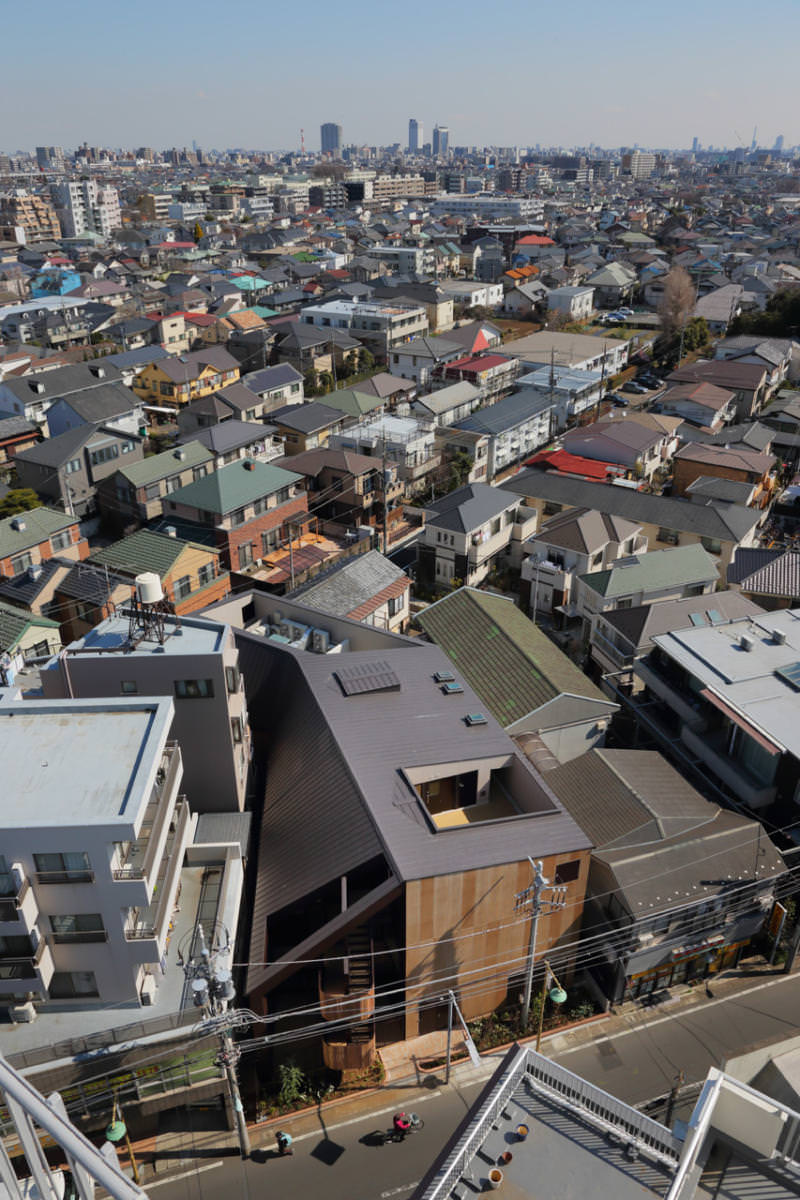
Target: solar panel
790, 674
476, 719
451, 689
697, 618
444, 676
367, 677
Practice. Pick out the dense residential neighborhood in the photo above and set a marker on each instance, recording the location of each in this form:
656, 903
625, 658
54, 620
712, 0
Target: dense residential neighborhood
399, 626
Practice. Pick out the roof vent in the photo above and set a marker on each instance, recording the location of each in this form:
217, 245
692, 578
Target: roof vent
778, 637
35, 571
36, 387
18, 523
179, 454
746, 642
171, 531
249, 465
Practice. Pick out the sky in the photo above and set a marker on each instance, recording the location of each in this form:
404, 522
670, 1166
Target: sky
252, 73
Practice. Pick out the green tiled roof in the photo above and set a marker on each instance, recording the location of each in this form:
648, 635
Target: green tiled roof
14, 622
651, 572
511, 664
142, 551
353, 402
159, 466
262, 312
40, 524
234, 486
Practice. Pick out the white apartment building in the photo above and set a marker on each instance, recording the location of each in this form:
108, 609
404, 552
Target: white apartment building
197, 666
472, 293
407, 442
381, 326
405, 260
572, 392
489, 207
93, 833
87, 207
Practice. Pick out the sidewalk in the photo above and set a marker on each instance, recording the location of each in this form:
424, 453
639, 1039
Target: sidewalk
173, 1153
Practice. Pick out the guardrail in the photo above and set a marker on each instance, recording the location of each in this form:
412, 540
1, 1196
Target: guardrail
557, 1084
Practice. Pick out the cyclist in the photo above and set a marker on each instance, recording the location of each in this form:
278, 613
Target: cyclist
284, 1141
401, 1126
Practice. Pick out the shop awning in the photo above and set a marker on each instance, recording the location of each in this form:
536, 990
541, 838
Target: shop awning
732, 715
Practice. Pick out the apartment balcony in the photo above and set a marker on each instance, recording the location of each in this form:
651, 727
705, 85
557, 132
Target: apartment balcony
140, 861
146, 926
19, 911
710, 750
674, 693
420, 470
28, 973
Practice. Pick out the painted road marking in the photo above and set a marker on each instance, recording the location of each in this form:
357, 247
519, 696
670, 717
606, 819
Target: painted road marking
183, 1175
398, 1191
378, 1112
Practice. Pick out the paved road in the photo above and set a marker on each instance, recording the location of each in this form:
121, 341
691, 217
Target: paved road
637, 1063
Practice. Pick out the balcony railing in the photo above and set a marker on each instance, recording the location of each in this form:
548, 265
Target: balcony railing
78, 936
78, 876
11, 902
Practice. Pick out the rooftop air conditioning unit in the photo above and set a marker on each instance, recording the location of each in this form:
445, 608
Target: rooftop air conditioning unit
778, 637
320, 641
179, 454
18, 524
22, 1014
746, 642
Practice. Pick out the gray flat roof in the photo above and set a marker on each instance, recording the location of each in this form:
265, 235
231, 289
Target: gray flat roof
79, 762
192, 636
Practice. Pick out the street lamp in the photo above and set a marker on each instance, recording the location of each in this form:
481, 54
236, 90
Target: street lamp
557, 996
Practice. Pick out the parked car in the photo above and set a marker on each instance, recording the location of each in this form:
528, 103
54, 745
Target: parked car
635, 388
649, 381
618, 400
625, 312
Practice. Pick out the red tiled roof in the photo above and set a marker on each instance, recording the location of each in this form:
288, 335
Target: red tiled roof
571, 464
478, 364
534, 239
397, 588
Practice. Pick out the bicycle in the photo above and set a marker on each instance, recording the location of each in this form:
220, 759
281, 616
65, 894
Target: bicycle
415, 1123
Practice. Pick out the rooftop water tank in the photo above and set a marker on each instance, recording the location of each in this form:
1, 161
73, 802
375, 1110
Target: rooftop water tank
148, 588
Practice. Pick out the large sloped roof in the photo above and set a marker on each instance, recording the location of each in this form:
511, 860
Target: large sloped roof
511, 664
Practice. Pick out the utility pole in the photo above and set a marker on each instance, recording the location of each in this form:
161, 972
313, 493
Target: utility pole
540, 898
213, 990
385, 486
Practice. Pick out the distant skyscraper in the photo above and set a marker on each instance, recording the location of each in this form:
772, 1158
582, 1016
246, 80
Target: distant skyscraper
695, 145
778, 143
416, 135
330, 136
441, 141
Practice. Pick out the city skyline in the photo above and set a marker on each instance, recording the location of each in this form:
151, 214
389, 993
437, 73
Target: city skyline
629, 81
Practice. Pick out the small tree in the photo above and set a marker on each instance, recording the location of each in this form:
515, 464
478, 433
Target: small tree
291, 1084
18, 500
460, 467
198, 231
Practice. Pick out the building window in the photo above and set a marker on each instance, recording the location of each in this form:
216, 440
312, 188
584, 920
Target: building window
232, 679
712, 545
237, 729
282, 496
182, 587
194, 689
205, 574
238, 517
71, 867
245, 554
129, 687
567, 872
60, 541
172, 484
21, 563
270, 540
259, 506
78, 927
668, 535
395, 605
65, 985
551, 508
72, 466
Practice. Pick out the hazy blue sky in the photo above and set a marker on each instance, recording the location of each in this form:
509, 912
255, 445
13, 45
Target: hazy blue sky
253, 72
